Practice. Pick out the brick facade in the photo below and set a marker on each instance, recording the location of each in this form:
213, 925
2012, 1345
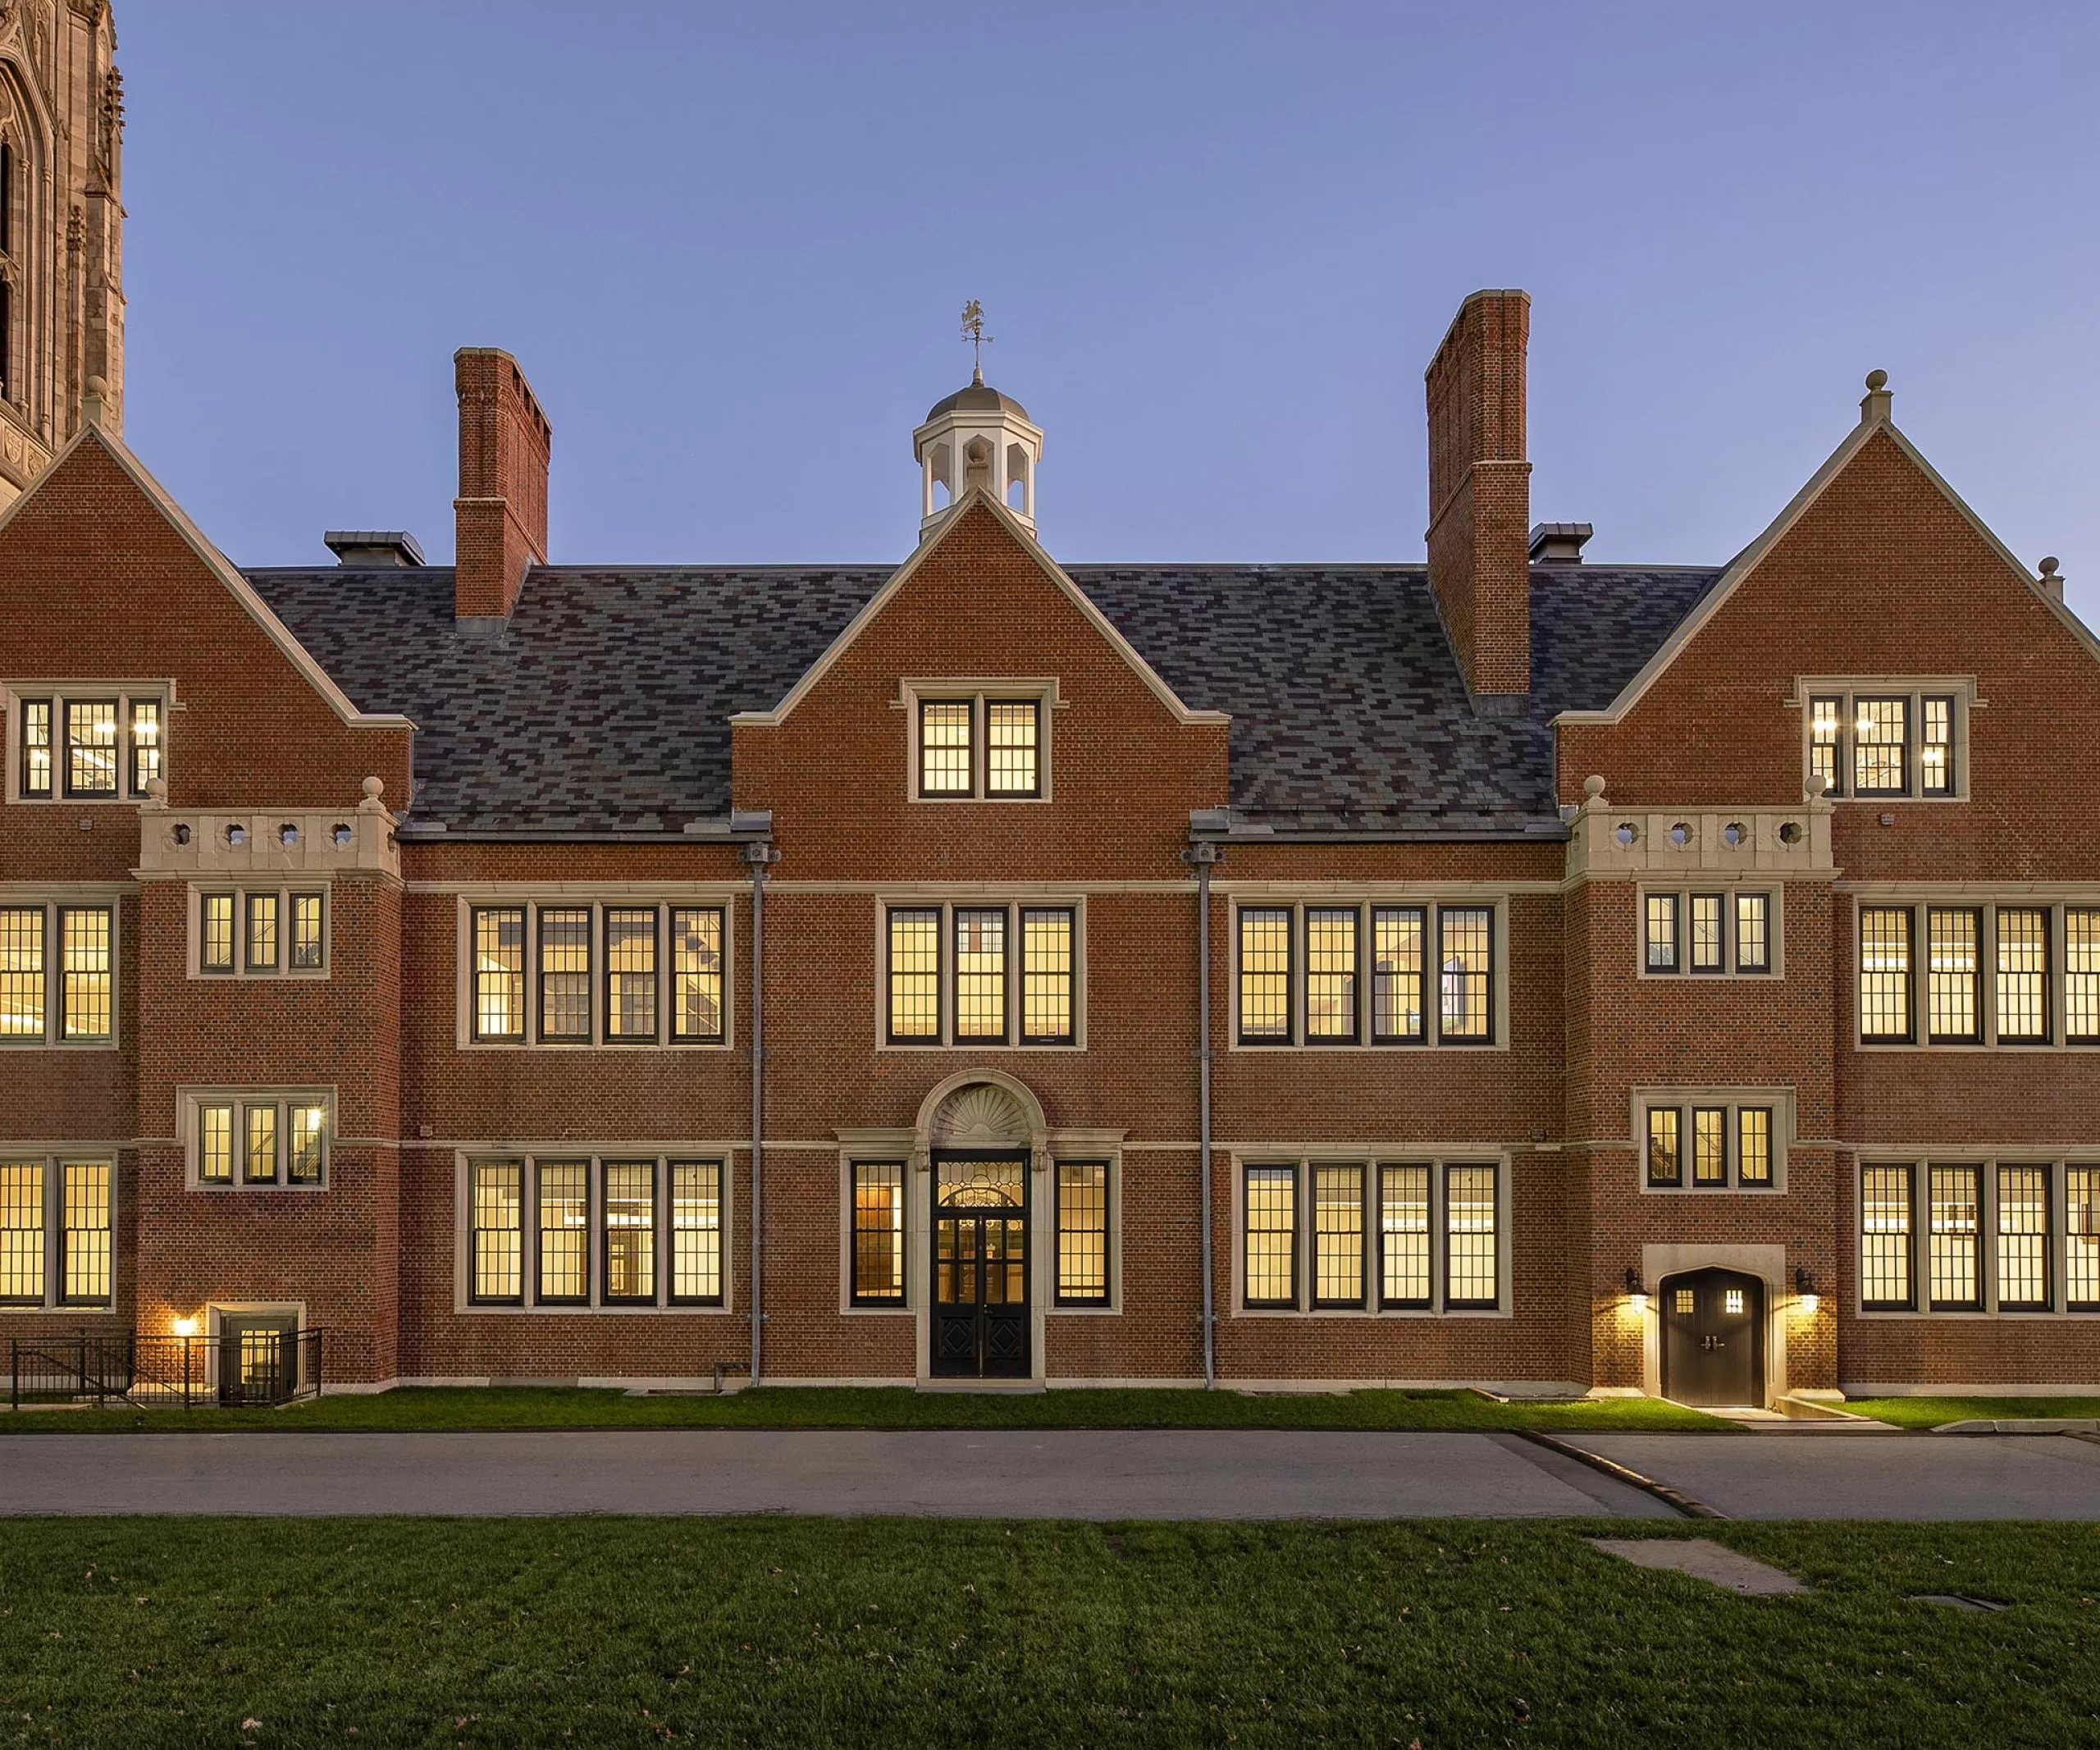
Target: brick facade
1697, 733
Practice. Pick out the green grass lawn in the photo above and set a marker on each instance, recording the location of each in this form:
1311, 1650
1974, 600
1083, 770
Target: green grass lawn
1930, 1412
886, 1632
775, 1407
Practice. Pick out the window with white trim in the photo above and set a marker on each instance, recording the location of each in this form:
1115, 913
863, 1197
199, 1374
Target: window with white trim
87, 744
1979, 974
258, 1139
1870, 740
966, 974
556, 973
2015, 1234
259, 933
1370, 1235
981, 745
56, 1230
57, 974
1714, 933
1417, 973
1718, 1141
623, 1231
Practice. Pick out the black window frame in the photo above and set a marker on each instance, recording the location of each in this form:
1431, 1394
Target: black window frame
540, 975
534, 1273
1103, 1297
1909, 1035
602, 929
1426, 1300
1649, 942
2050, 1245
1365, 1212
1016, 969
1909, 1171
1497, 1197
973, 747
856, 1295
668, 1244
1930, 1234
526, 992
1844, 741
282, 1104
1289, 1172
55, 1235
1289, 1034
987, 702
1396, 980
1352, 975
118, 717
602, 1208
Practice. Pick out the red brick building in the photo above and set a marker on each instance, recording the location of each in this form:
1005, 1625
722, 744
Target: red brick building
1508, 970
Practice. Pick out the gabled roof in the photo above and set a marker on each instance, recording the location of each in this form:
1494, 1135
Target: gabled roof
604, 703
1745, 562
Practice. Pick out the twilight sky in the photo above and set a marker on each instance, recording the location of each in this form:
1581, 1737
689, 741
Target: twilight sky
1217, 243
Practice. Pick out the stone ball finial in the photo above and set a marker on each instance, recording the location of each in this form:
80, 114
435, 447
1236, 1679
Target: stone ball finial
1817, 783
374, 789
1877, 381
1593, 786
2049, 566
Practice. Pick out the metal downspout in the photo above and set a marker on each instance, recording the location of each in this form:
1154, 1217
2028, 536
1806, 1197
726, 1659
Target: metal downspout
759, 857
1204, 856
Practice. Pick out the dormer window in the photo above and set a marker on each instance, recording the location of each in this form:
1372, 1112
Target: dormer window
1887, 738
86, 747
978, 746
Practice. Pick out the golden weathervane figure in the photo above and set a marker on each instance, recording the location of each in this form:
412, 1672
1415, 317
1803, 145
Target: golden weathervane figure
973, 331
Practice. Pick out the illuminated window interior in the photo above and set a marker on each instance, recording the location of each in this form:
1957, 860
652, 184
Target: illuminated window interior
631, 1233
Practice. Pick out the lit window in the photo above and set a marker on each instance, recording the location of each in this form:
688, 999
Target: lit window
1707, 953
1754, 1145
1046, 959
1010, 742
305, 1153
215, 914
261, 932
91, 748
878, 1234
563, 1198
1265, 977
22, 1244
1403, 1235
56, 1232
496, 1238
1753, 932
980, 976
85, 1238
630, 1231
1685, 1300
2023, 975
1464, 950
697, 1233
1338, 1235
564, 973
262, 1140
77, 1007
1884, 973
1082, 1234
499, 973
1885, 1238
1936, 746
1826, 721
1731, 1300
915, 975
1877, 744
2082, 975
951, 978
215, 1145
1396, 983
1706, 933
2082, 1224
1881, 739
946, 763
1661, 932
631, 975
2023, 1234
307, 953
1953, 1236
696, 974
1271, 1236
1470, 1271
22, 987
259, 1152
36, 747
1665, 1146
86, 957
145, 744
1710, 1145
1951, 1003
1330, 975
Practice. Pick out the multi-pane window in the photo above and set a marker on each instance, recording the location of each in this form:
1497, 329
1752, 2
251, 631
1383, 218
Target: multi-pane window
1994, 975
1876, 742
56, 1234
878, 1263
1709, 933
951, 975
1982, 1236
103, 748
261, 1139
1710, 1145
584, 1230
265, 932
57, 975
1436, 1227
1082, 1233
1298, 975
980, 745
561, 974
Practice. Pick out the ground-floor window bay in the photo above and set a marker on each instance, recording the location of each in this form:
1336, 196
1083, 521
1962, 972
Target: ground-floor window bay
579, 1231
1978, 1236
1419, 1234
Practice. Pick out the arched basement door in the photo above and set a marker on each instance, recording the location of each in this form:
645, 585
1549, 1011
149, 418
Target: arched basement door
1714, 1339
979, 1140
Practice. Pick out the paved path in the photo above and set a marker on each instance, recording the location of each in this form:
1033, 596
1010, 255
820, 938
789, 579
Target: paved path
1060, 1474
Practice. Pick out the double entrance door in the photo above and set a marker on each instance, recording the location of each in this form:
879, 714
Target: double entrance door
1713, 1338
980, 1321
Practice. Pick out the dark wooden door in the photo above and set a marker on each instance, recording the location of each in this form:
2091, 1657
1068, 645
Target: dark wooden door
1713, 1338
259, 1359
980, 1295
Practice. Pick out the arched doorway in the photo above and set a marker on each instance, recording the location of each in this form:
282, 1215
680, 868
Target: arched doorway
982, 1140
1713, 1338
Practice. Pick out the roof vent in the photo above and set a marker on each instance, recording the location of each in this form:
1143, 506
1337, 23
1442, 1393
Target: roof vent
374, 546
1558, 543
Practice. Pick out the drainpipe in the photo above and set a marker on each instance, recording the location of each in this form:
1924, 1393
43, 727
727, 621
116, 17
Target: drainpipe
758, 857
1205, 856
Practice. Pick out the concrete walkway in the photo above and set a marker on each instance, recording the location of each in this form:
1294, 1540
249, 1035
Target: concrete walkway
1187, 1475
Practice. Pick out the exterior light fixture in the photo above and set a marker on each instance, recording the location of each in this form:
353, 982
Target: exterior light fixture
1804, 1295
186, 1327
1636, 1291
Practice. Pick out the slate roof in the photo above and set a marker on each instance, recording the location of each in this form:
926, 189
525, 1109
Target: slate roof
603, 704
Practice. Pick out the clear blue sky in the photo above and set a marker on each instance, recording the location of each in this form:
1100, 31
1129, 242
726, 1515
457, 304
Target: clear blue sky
1216, 243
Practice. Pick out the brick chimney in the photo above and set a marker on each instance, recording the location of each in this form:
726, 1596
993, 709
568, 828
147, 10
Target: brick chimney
502, 505
1480, 496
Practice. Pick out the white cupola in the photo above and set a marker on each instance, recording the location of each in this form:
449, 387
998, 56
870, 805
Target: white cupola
977, 437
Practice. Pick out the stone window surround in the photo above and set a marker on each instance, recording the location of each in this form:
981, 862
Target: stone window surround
54, 898
1780, 1101
54, 1157
1920, 1158
911, 690
1773, 892
284, 894
1962, 688
1306, 1157
946, 900
128, 794
189, 1102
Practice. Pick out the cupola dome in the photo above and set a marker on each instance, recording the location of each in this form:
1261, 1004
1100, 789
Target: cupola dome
977, 436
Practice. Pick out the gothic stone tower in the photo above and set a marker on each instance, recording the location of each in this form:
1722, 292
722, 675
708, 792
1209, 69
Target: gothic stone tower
62, 229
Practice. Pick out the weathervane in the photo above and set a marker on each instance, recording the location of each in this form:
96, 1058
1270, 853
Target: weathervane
973, 331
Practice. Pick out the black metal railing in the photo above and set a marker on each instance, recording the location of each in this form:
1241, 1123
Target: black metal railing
243, 1367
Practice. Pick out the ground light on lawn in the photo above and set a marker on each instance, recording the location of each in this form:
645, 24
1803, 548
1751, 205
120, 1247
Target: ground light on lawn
463, 1408
794, 1632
